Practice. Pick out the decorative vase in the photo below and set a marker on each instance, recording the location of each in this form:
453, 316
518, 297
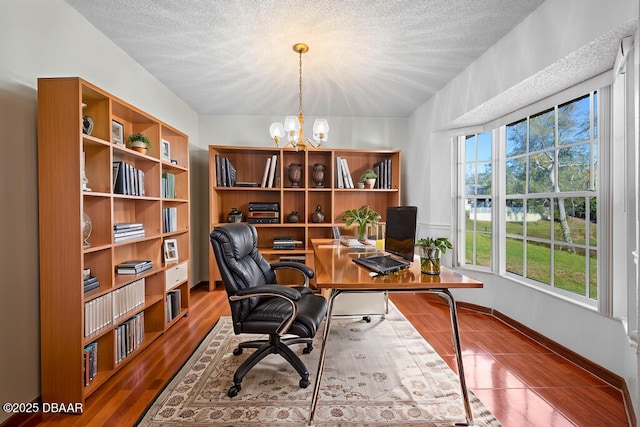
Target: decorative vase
234, 216
430, 261
142, 149
362, 231
87, 226
318, 174
293, 217
318, 215
361, 185
370, 182
295, 174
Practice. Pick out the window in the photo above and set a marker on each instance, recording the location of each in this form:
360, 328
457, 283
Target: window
478, 192
549, 202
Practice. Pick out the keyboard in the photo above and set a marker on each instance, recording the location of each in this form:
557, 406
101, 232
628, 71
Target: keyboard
381, 264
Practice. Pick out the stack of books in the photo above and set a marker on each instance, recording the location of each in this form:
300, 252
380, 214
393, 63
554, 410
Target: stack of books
127, 231
134, 266
90, 283
285, 243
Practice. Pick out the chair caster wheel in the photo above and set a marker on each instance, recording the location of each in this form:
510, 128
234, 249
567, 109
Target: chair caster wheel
304, 383
237, 351
307, 349
234, 390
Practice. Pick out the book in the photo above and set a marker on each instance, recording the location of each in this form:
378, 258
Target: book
272, 170
265, 176
339, 176
218, 171
127, 225
118, 177
231, 174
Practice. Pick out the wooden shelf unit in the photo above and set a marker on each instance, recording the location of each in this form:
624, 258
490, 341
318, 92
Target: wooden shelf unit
250, 162
62, 103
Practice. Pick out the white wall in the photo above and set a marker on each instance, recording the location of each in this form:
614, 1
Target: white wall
568, 26
47, 38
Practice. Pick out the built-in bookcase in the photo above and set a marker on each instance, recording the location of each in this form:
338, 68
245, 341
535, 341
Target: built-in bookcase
86, 336
249, 164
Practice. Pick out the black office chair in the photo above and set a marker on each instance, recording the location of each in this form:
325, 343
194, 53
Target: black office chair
260, 306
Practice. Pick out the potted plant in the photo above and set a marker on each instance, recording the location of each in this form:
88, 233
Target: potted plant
430, 252
139, 142
362, 216
369, 177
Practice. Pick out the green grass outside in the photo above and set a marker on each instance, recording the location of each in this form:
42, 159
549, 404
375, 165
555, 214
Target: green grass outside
570, 269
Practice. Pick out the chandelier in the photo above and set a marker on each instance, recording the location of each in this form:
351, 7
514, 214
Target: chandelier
292, 126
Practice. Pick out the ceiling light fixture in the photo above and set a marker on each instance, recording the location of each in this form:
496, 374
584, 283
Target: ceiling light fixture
292, 126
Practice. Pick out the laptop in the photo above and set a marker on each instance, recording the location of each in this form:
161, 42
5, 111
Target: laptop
399, 242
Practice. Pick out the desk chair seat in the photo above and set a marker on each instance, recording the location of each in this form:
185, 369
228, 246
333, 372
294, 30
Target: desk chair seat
261, 306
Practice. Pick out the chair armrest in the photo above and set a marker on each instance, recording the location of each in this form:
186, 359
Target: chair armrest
307, 273
268, 290
277, 291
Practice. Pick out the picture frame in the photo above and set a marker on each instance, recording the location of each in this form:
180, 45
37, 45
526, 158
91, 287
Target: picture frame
170, 250
165, 150
117, 132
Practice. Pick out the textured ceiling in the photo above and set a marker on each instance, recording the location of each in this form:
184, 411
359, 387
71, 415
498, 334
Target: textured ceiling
366, 57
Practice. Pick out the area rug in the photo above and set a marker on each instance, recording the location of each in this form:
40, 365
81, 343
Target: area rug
377, 373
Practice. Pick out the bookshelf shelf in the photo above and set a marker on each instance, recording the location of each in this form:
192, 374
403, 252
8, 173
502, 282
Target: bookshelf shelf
67, 156
250, 164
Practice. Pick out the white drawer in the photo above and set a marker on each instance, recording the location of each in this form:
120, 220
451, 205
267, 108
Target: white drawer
175, 275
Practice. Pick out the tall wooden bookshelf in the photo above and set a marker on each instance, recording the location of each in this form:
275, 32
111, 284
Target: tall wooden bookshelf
156, 298
249, 164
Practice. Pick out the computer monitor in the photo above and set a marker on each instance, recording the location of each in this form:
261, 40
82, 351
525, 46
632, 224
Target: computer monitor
400, 235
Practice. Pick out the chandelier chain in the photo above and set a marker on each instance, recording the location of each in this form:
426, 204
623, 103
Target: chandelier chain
300, 81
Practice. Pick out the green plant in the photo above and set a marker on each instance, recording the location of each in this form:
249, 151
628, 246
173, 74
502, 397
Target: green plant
440, 243
139, 140
362, 216
368, 174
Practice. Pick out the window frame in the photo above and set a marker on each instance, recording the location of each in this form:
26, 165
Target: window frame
499, 235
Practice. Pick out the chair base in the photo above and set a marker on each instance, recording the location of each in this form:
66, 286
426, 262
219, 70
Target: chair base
275, 345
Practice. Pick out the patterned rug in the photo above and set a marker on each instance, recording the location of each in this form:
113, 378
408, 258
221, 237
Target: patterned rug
378, 373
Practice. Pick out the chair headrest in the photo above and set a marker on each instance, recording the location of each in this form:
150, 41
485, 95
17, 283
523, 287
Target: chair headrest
241, 238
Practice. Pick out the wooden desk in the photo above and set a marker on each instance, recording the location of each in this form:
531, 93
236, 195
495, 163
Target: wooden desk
336, 272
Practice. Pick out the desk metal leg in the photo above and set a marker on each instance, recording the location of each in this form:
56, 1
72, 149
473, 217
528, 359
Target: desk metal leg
456, 343
323, 351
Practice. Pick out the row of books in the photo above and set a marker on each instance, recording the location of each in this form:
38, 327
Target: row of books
383, 170
128, 298
168, 186
129, 336
169, 219
225, 172
98, 314
134, 266
90, 362
127, 179
127, 231
173, 304
343, 174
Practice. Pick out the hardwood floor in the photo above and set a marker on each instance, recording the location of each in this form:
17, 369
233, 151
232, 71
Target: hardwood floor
519, 380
